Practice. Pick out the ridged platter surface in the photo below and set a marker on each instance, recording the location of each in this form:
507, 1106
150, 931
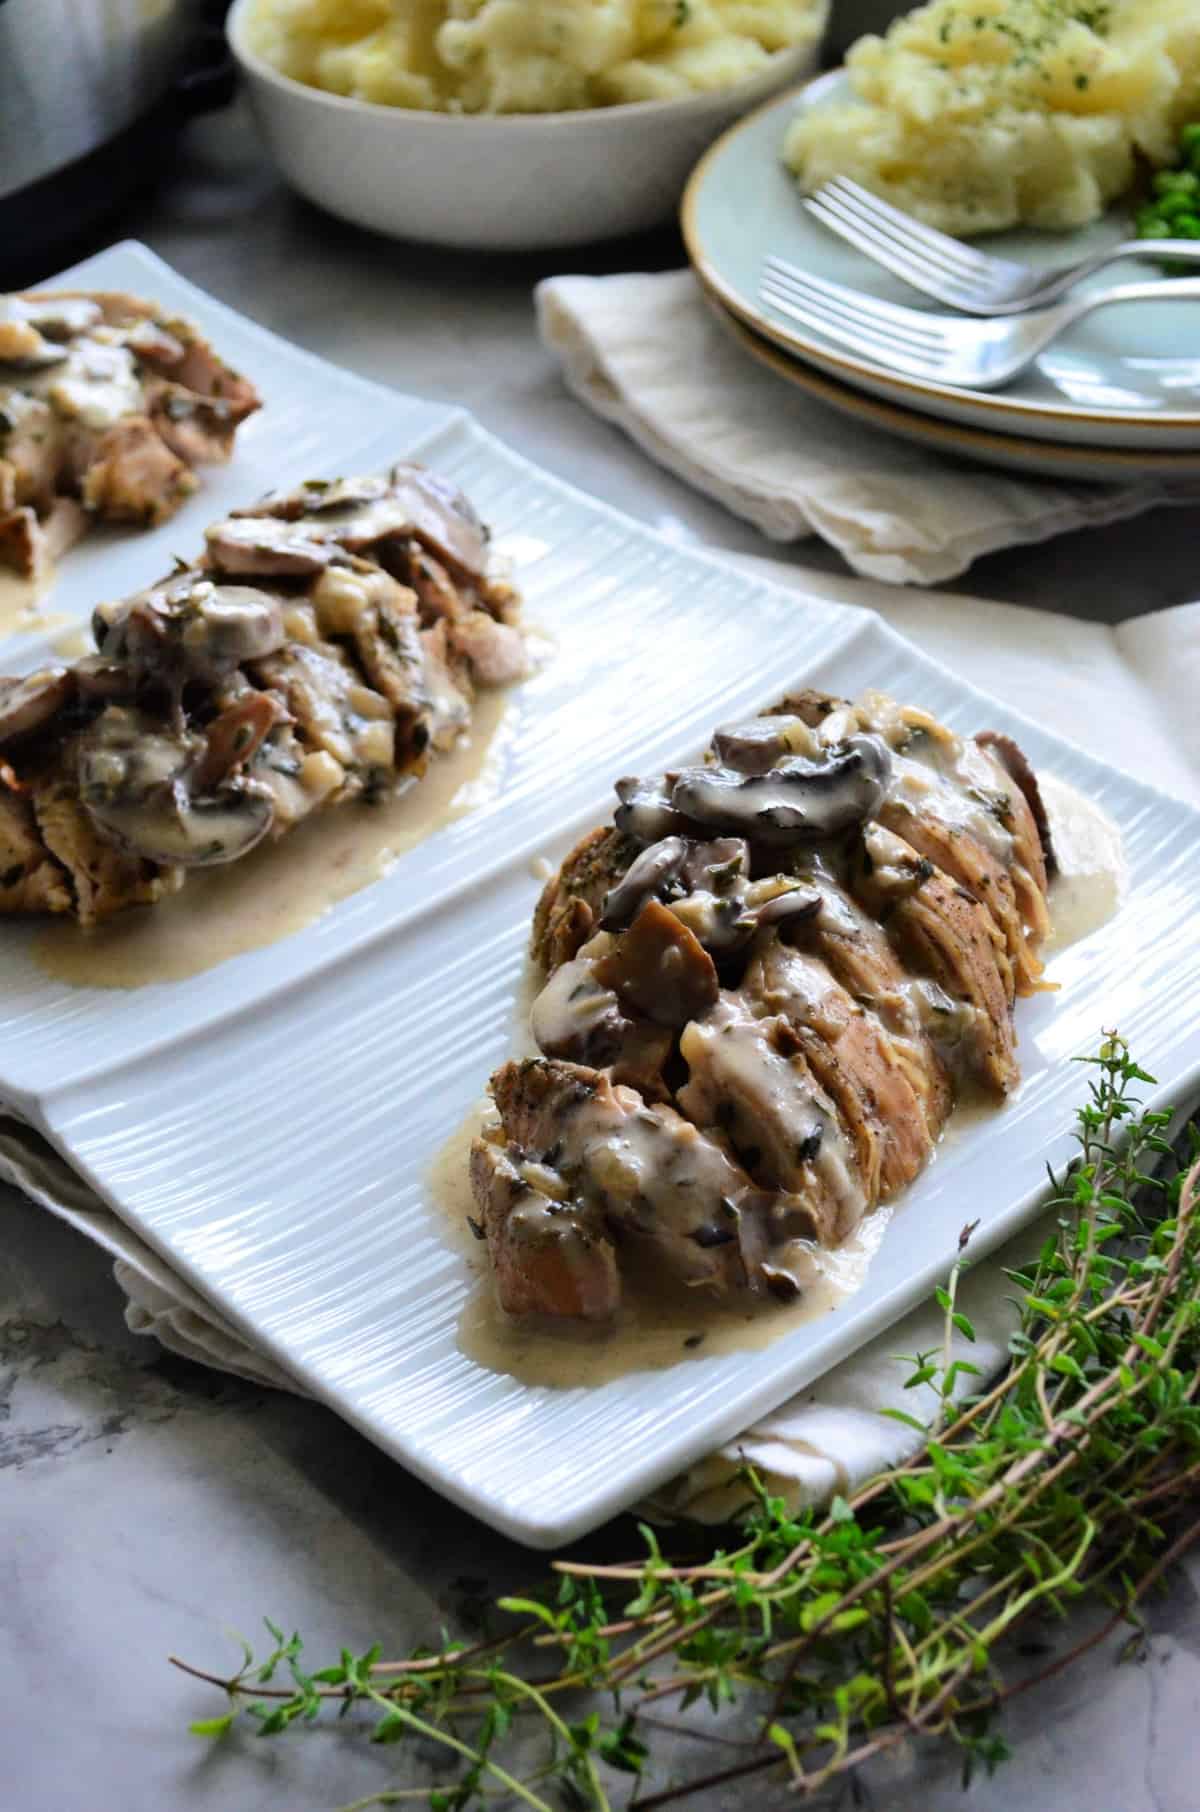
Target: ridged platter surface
269, 1126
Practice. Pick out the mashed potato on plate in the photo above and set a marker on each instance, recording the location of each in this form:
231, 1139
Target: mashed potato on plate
526, 56
978, 115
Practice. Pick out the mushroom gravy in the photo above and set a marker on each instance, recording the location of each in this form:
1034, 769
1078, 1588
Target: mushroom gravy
326, 650
769, 980
653, 1329
281, 887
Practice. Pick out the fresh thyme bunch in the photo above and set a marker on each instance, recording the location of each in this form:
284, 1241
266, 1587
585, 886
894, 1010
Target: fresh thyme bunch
824, 1639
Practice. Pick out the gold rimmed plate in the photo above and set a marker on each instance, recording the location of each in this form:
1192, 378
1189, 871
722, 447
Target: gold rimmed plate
1125, 379
1042, 458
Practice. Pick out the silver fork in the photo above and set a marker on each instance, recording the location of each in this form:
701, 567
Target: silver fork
977, 355
955, 273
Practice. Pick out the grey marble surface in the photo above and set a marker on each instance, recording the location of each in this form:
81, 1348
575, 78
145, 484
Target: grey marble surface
147, 1506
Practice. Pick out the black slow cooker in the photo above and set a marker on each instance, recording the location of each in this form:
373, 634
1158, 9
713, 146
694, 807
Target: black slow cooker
92, 94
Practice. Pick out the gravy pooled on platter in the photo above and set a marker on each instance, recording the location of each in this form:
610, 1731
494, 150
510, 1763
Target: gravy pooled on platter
282, 886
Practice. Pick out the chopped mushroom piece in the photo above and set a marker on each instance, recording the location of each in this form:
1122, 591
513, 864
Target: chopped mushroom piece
659, 969
29, 704
261, 546
188, 628
166, 798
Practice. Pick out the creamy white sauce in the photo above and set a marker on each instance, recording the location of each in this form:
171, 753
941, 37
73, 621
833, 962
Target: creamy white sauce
96, 384
281, 887
74, 643
656, 1327
931, 793
22, 603
1093, 875
775, 1105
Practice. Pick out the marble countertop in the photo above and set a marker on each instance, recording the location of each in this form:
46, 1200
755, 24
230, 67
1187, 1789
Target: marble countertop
150, 1507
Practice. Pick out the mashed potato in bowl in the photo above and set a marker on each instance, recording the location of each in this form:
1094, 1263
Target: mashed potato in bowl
977, 115
526, 56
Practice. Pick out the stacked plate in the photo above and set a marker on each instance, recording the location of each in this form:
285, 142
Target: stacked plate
1116, 396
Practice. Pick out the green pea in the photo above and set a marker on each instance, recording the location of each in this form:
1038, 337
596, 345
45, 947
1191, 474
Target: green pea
1175, 207
1154, 228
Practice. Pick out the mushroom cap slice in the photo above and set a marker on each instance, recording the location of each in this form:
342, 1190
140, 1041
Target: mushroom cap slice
442, 518
58, 316
799, 800
23, 346
189, 628
29, 703
136, 783
647, 876
761, 743
269, 546
660, 969
355, 513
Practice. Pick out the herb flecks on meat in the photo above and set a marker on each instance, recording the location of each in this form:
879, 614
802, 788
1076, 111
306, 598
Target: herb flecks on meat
766, 981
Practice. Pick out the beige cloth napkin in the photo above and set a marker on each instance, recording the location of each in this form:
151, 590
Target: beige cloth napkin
1083, 678
646, 352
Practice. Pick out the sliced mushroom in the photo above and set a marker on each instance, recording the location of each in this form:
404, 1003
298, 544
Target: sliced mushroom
355, 513
725, 922
268, 545
235, 737
317, 497
800, 800
649, 875
759, 745
789, 908
577, 1018
645, 812
138, 786
155, 347
28, 704
660, 969
189, 628
442, 519
717, 867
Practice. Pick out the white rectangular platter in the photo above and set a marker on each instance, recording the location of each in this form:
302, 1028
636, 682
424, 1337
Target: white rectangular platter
268, 1126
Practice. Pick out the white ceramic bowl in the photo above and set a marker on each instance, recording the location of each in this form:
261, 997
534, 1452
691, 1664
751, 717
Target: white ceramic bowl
507, 182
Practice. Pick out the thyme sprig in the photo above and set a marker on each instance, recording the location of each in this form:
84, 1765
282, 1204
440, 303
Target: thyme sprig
818, 1641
